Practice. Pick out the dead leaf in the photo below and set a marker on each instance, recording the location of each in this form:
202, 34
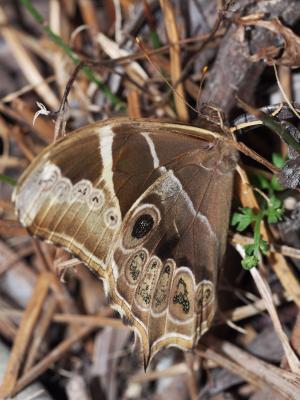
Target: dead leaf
291, 51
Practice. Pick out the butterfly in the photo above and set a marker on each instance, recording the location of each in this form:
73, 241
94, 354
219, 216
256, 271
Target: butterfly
145, 205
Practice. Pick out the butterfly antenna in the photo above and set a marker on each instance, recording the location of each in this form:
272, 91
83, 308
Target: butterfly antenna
144, 50
202, 80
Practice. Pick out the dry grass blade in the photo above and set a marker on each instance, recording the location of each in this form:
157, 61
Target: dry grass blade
134, 109
250, 310
40, 331
19, 137
8, 258
90, 320
7, 328
23, 337
11, 228
265, 292
112, 49
255, 371
175, 62
286, 276
51, 358
177, 369
26, 64
26, 89
89, 14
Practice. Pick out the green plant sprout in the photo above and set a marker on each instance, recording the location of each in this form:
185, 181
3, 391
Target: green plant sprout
271, 185
272, 210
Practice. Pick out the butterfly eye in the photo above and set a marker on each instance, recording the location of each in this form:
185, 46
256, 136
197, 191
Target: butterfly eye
48, 176
111, 218
142, 226
204, 295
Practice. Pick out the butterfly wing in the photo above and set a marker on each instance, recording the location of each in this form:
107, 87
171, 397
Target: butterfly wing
145, 205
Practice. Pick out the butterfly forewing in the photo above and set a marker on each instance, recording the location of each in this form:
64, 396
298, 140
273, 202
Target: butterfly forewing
145, 205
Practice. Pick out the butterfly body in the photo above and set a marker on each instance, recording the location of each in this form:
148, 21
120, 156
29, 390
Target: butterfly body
145, 205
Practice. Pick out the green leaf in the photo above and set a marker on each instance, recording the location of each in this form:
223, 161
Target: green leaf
243, 219
264, 246
249, 262
250, 249
155, 40
275, 210
263, 182
276, 185
275, 215
278, 160
275, 202
7, 179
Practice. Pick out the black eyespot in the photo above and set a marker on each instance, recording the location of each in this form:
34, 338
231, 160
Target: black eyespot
142, 226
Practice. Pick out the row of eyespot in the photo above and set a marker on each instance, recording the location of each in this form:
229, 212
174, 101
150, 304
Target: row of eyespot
82, 191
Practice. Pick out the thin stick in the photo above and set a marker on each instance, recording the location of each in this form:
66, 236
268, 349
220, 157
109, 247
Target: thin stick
60, 121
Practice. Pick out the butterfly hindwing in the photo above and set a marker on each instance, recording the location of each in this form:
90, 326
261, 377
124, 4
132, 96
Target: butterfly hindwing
145, 205
168, 274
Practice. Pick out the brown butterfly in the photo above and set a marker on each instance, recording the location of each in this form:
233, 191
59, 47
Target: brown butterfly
145, 205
